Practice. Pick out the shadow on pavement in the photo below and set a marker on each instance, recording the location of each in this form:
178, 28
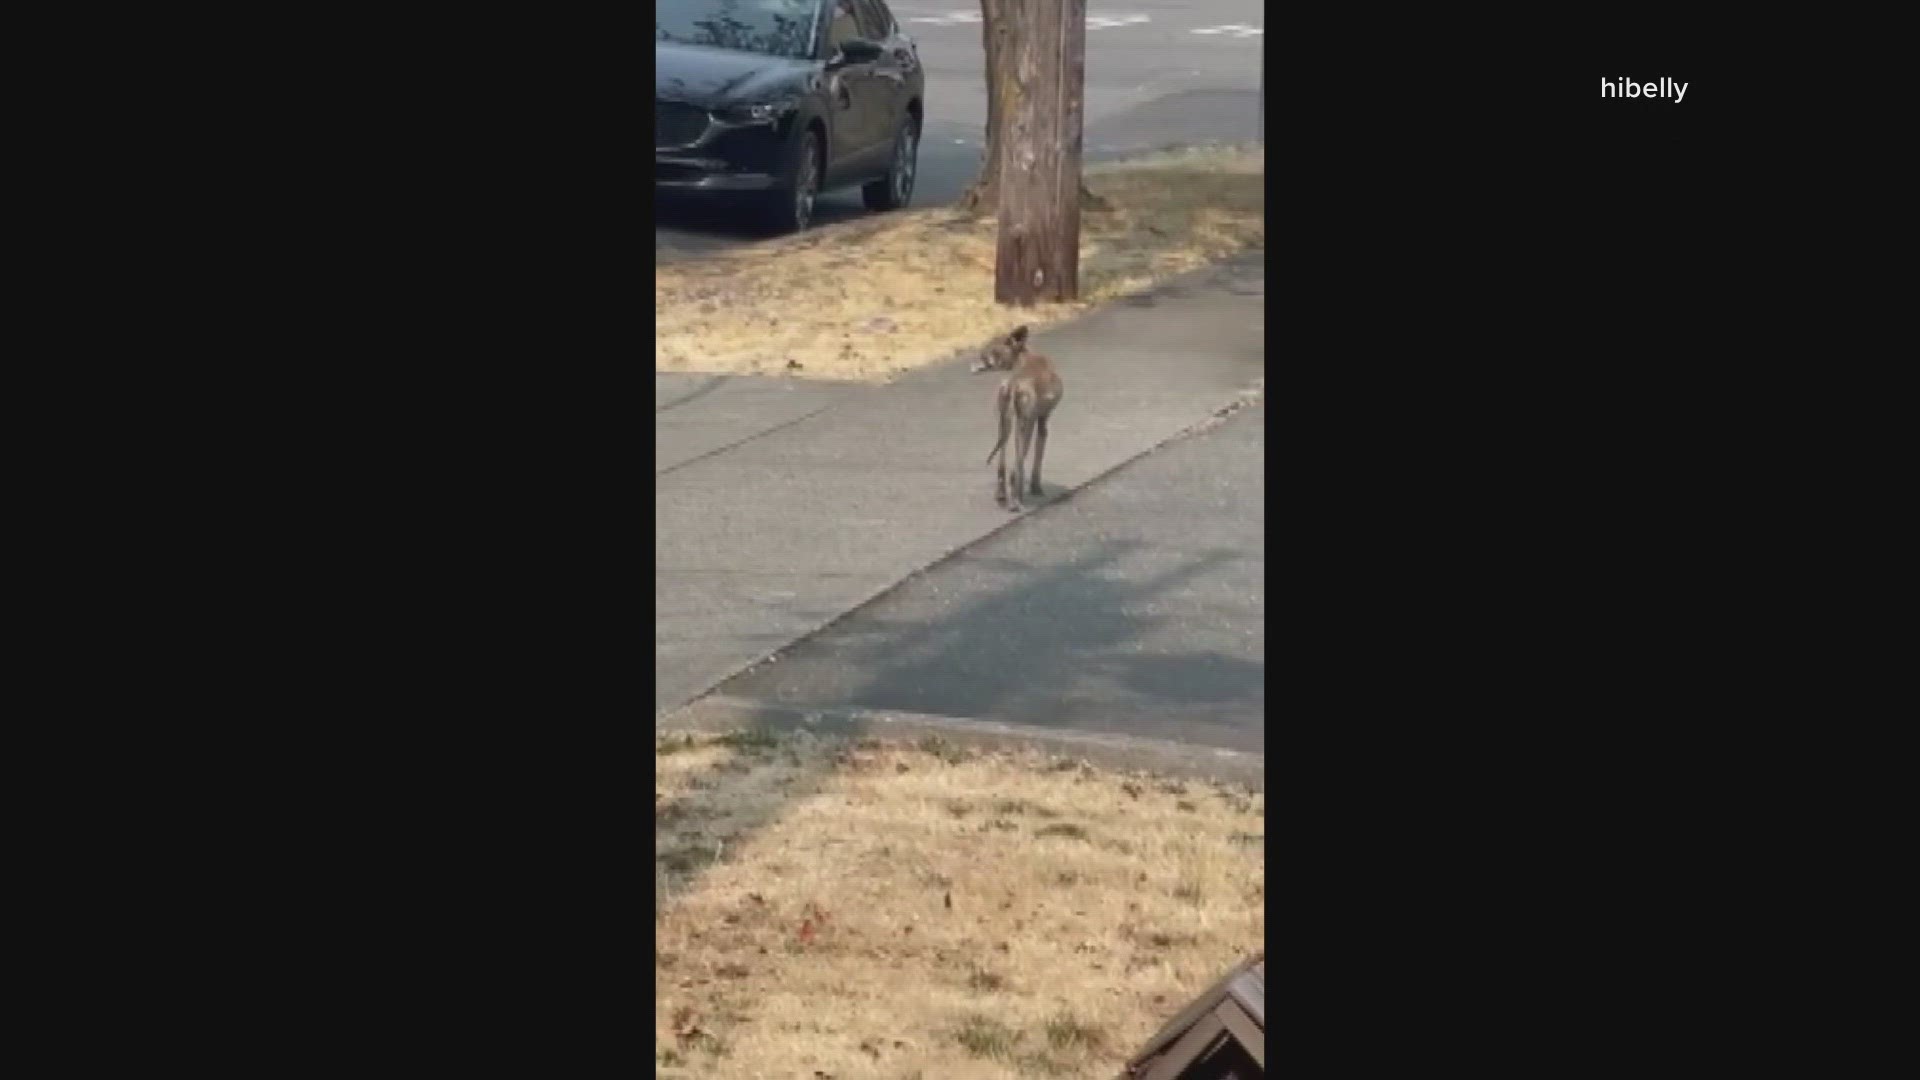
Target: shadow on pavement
971, 654
1010, 654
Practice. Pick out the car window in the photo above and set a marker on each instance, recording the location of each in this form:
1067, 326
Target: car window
844, 27
875, 20
774, 27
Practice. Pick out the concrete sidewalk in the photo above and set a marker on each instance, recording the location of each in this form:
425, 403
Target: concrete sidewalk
783, 505
1135, 609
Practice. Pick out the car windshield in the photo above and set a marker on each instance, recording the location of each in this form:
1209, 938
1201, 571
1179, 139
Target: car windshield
773, 27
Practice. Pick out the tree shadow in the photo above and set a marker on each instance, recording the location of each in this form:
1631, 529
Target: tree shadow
1074, 631
1166, 217
1000, 655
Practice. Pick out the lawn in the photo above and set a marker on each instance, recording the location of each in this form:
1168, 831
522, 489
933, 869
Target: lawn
854, 909
868, 299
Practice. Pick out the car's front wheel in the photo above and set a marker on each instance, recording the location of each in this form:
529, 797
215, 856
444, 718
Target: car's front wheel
789, 206
892, 191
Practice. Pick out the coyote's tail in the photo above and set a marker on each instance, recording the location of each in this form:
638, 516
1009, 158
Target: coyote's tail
1006, 404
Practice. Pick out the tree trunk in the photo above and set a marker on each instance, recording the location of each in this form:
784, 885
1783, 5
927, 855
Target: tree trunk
999, 20
996, 35
1038, 254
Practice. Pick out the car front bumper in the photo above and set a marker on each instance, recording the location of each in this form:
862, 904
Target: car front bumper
681, 173
722, 156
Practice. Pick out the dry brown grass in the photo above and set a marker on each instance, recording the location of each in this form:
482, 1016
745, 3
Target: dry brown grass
860, 910
870, 298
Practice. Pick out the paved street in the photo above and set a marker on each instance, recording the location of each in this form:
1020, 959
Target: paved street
1159, 72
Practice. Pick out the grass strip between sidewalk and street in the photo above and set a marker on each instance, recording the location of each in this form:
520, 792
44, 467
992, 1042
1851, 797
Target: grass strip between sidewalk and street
868, 299
849, 909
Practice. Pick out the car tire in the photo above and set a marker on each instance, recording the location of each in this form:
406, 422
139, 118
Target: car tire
892, 191
789, 207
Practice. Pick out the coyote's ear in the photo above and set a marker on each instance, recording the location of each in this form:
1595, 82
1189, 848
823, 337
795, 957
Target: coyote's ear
1019, 334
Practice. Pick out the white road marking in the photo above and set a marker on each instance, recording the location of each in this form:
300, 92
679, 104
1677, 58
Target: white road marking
968, 18
1239, 30
951, 18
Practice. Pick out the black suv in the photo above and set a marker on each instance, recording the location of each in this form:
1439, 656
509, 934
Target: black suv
780, 100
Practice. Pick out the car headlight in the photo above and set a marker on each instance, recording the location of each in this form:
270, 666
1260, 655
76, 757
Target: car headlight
760, 112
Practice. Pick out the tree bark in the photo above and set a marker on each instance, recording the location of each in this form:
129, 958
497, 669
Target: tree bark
996, 36
999, 28
1038, 253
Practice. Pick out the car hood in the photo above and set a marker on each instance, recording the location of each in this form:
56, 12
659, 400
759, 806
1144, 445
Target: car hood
715, 78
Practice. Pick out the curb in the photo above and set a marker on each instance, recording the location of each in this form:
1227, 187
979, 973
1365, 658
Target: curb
719, 714
1127, 155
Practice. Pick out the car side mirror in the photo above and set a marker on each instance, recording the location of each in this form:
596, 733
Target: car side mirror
856, 51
